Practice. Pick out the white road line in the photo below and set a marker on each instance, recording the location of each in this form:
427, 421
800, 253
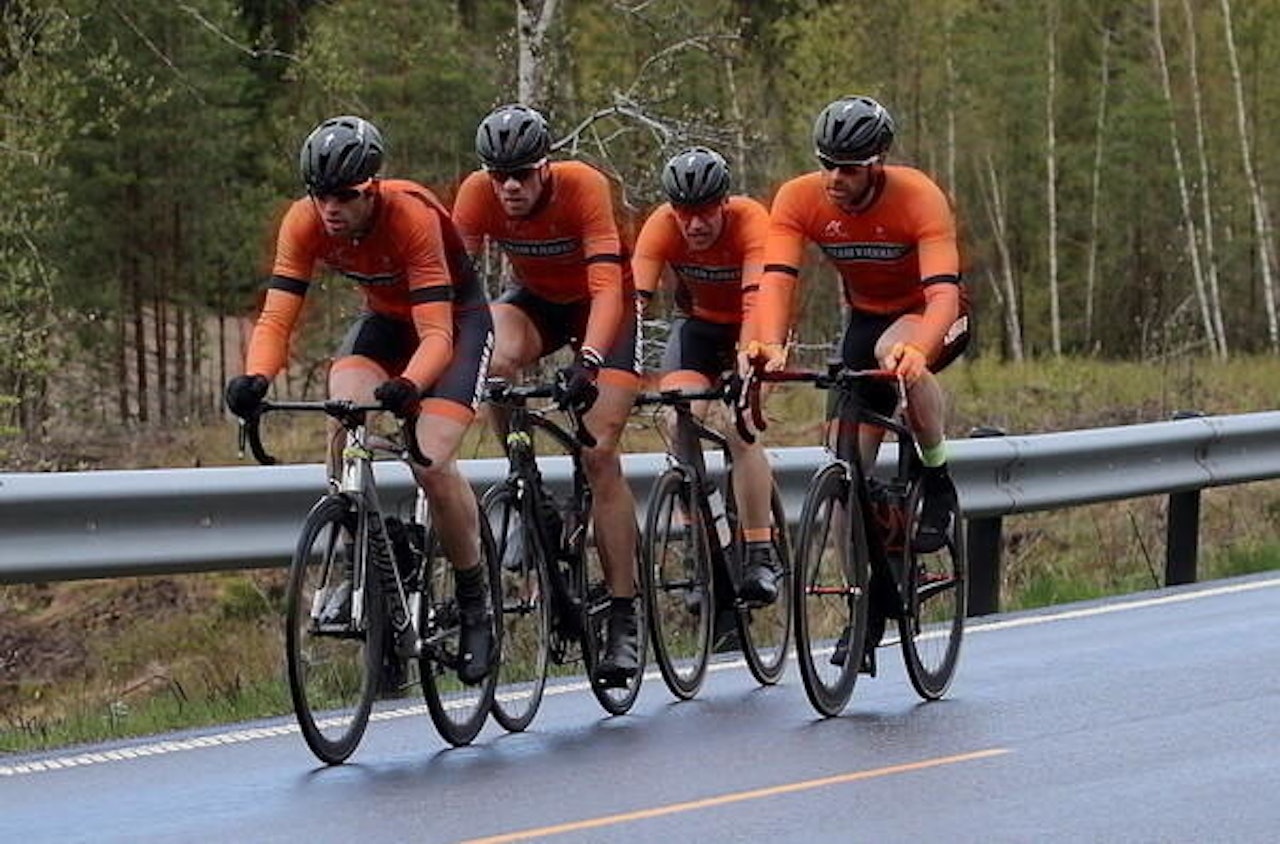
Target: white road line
55, 763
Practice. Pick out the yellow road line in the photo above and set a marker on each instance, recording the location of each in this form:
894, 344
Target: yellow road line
737, 797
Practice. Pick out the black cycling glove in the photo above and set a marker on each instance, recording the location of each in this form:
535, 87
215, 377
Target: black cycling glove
244, 394
399, 395
576, 383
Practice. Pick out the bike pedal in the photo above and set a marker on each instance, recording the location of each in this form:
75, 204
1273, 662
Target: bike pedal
613, 679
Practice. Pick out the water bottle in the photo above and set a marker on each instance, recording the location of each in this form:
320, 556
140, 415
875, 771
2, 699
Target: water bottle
719, 516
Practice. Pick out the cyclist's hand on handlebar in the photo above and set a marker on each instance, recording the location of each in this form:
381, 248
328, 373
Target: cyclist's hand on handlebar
245, 393
908, 361
398, 395
772, 357
576, 383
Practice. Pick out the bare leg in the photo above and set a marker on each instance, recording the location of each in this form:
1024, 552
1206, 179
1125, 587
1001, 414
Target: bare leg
613, 505
449, 497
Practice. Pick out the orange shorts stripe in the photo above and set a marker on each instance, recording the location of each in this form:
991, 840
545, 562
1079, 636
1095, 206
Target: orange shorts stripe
684, 379
619, 378
447, 408
360, 362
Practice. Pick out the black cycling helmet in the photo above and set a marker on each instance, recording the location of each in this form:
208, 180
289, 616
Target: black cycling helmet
511, 137
853, 130
340, 152
696, 176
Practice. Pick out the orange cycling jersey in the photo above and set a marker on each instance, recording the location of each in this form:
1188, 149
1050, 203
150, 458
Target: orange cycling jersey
711, 284
887, 255
566, 250
411, 265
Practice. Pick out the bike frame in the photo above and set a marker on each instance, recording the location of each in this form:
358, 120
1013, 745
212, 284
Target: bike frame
688, 457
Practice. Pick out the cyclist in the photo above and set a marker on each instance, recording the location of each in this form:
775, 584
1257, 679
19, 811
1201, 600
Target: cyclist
890, 233
554, 222
713, 245
421, 345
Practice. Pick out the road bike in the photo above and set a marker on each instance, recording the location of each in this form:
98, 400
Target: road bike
693, 555
368, 591
554, 598
855, 562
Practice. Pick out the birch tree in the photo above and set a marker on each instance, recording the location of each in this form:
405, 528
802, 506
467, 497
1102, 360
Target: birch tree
1266, 250
1206, 192
1005, 289
1095, 190
1188, 219
533, 22
1051, 178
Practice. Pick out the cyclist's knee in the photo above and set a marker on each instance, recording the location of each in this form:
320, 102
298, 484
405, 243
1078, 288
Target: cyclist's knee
602, 462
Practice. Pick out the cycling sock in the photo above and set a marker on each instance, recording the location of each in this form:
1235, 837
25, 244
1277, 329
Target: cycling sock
626, 605
934, 456
470, 583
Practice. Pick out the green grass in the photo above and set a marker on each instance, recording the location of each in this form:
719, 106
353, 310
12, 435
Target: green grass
133, 657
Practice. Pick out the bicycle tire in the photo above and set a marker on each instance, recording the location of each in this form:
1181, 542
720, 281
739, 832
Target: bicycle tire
526, 611
936, 603
675, 579
333, 672
457, 709
616, 700
830, 594
765, 632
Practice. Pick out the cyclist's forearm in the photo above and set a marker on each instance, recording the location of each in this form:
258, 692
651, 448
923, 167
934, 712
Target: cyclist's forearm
942, 307
434, 324
269, 346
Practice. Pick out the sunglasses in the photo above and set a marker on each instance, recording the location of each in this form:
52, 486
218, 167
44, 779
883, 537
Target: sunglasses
846, 166
342, 195
520, 174
688, 212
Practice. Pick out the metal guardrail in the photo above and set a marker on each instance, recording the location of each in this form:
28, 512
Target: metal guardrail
77, 525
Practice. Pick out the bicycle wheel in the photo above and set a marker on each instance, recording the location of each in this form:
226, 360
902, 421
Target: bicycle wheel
526, 612
616, 700
458, 710
675, 578
333, 660
766, 631
937, 601
830, 595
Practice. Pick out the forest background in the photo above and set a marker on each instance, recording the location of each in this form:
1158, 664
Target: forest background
1112, 164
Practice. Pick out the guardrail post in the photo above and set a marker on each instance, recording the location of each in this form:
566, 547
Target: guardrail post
983, 548
1182, 538
1182, 529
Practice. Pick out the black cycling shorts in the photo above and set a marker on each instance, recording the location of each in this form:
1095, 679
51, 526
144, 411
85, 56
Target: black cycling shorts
391, 343
858, 351
708, 348
564, 325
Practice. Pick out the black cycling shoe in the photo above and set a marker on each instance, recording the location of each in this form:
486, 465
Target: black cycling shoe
622, 651
475, 641
391, 678
759, 576
724, 632
937, 513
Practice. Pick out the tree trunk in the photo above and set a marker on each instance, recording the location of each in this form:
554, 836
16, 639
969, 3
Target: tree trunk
1188, 220
1051, 179
1260, 215
1206, 206
533, 19
1095, 200
994, 202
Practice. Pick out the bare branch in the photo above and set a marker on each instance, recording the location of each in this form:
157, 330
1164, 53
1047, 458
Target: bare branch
248, 51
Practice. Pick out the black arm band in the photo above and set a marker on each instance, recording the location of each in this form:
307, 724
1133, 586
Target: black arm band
782, 268
289, 285
604, 259
426, 295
